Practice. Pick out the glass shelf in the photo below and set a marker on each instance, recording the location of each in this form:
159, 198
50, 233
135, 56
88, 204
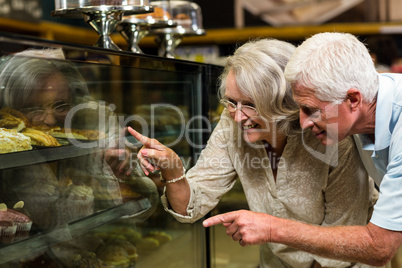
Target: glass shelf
42, 241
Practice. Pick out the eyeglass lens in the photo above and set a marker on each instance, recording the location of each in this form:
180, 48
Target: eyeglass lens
246, 109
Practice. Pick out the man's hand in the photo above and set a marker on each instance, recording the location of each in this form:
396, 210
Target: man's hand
247, 227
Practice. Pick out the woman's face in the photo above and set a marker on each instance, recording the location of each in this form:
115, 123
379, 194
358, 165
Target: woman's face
50, 102
254, 127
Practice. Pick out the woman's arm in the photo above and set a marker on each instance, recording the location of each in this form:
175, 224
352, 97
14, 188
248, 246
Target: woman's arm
154, 156
204, 184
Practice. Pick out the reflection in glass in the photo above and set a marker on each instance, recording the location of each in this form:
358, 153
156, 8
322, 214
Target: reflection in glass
188, 17
133, 28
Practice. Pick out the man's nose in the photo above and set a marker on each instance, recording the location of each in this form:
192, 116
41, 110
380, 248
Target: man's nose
305, 121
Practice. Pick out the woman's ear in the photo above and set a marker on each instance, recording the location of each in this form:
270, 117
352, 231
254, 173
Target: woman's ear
354, 98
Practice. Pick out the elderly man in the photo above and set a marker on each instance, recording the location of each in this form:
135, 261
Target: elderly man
339, 92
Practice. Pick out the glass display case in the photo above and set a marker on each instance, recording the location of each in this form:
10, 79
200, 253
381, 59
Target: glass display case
77, 208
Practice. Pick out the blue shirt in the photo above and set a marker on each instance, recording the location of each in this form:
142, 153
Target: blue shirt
387, 153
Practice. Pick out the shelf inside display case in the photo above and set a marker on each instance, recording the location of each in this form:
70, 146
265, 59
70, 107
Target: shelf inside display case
42, 155
42, 241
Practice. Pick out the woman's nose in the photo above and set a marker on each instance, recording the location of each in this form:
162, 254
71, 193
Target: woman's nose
239, 116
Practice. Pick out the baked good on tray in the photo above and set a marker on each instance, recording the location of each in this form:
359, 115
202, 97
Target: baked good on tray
13, 119
42, 201
7, 231
158, 14
79, 134
13, 141
25, 224
13, 224
114, 255
40, 138
79, 201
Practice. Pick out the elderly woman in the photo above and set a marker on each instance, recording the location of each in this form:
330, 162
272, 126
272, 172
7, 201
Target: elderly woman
284, 172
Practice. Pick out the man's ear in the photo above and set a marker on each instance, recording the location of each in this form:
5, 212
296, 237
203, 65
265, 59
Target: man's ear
354, 98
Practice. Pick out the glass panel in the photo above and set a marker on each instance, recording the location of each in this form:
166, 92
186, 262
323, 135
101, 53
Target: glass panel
83, 211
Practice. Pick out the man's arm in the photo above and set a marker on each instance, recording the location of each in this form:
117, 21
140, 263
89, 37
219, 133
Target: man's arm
368, 244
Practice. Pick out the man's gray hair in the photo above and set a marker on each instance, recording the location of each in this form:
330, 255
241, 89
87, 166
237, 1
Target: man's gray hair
331, 64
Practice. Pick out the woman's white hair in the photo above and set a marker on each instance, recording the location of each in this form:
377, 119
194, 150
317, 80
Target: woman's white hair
258, 67
331, 64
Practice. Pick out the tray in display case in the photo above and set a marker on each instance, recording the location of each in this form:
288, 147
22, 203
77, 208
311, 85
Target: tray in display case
42, 241
42, 155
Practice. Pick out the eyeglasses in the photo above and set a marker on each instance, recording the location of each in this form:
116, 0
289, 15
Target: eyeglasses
58, 108
248, 110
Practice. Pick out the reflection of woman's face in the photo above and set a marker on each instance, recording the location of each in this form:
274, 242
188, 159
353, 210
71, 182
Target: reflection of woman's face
50, 102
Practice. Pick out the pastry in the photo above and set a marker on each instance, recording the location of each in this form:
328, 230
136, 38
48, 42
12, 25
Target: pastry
182, 16
147, 244
8, 227
127, 193
183, 20
71, 256
78, 134
19, 207
7, 231
89, 242
161, 236
13, 119
40, 138
106, 191
158, 14
42, 202
79, 201
129, 248
22, 221
114, 255
13, 141
128, 233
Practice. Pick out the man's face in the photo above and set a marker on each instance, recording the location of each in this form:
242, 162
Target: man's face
329, 123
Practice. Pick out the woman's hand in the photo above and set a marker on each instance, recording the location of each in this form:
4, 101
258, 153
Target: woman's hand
156, 156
